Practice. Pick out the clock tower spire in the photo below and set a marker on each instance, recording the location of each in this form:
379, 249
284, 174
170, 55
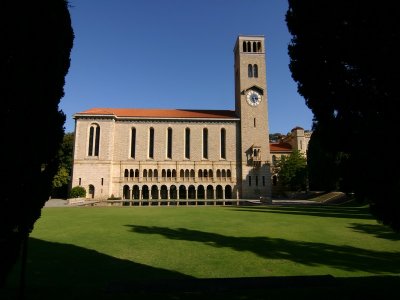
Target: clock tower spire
252, 108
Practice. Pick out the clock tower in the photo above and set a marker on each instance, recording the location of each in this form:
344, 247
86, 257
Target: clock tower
252, 108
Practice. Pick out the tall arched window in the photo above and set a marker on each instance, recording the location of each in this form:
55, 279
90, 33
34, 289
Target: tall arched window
259, 47
151, 143
223, 143
169, 143
255, 71
250, 71
187, 143
205, 143
94, 140
254, 47
133, 142
244, 47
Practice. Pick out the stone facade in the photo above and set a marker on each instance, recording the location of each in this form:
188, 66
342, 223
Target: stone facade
181, 154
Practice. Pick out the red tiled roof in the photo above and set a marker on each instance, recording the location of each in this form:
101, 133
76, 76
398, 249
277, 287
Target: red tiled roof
161, 113
280, 147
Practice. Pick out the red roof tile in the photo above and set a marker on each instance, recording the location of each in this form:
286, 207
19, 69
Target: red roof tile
280, 147
161, 113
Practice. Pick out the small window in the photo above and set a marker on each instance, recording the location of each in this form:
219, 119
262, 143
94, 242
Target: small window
254, 122
255, 71
250, 71
102, 181
80, 181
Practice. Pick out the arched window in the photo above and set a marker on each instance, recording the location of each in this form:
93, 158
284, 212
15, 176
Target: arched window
223, 143
228, 174
182, 173
131, 173
187, 173
94, 140
133, 142
150, 174
205, 143
173, 173
223, 173
163, 173
210, 173
155, 173
151, 143
192, 173
200, 174
205, 173
248, 47
144, 173
169, 143
126, 173
255, 71
169, 173
259, 47
250, 71
254, 47
187, 143
244, 47
218, 173
136, 173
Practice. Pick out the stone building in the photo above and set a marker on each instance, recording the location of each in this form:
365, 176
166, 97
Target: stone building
181, 154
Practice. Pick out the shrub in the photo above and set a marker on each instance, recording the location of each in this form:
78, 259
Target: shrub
112, 197
77, 192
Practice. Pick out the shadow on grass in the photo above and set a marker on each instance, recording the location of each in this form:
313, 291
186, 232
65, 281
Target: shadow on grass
379, 231
70, 272
313, 210
308, 253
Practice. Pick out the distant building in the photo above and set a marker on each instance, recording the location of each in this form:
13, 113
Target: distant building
182, 154
297, 139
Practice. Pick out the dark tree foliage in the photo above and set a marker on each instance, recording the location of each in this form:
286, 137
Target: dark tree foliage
62, 179
345, 59
36, 41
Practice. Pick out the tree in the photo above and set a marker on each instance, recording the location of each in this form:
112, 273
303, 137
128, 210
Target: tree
344, 58
293, 171
37, 38
62, 179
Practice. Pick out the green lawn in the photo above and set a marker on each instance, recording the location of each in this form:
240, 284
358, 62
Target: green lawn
100, 248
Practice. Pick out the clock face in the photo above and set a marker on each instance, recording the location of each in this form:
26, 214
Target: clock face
253, 98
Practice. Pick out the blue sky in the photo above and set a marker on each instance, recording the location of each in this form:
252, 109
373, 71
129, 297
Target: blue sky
176, 54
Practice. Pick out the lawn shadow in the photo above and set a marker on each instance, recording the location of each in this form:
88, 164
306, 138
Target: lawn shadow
312, 210
65, 271
377, 230
307, 253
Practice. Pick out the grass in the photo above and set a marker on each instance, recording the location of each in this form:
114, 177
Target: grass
109, 250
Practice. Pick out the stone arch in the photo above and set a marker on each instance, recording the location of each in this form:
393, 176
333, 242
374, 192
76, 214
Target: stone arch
200, 192
164, 192
135, 192
228, 192
154, 192
219, 192
182, 192
210, 192
191, 192
126, 192
173, 193
145, 192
